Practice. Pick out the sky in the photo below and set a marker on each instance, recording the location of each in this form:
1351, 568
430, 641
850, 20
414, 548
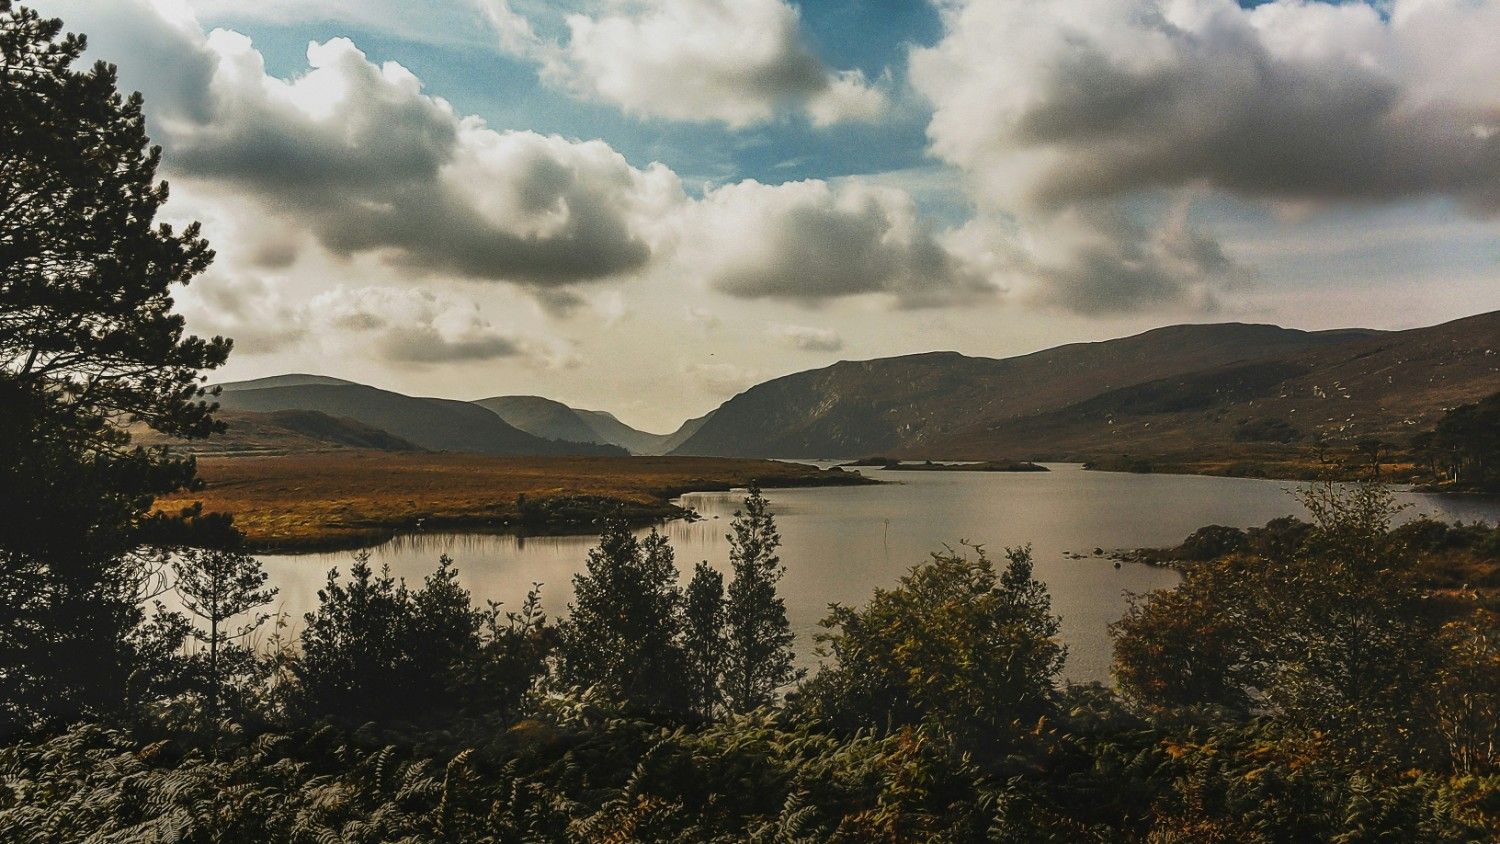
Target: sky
647, 206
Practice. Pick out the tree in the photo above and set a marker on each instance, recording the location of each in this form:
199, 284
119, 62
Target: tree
216, 586
704, 642
88, 345
376, 649
1465, 701
516, 653
623, 633
1330, 634
1188, 645
955, 644
1372, 448
1466, 443
759, 660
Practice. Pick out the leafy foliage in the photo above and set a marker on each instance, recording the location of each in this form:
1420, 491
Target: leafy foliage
956, 644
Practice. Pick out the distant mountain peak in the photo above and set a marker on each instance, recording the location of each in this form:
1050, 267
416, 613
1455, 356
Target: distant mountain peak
293, 379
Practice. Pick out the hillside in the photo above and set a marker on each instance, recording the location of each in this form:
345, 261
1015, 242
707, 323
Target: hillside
281, 432
542, 417
550, 419
296, 379
435, 424
1388, 387
909, 403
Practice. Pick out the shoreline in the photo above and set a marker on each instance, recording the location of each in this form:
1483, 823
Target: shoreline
344, 501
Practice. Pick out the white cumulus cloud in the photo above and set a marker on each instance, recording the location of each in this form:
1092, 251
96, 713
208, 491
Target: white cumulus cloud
811, 241
737, 63
1068, 116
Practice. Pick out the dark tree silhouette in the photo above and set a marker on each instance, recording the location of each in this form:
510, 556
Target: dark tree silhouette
623, 633
1466, 445
704, 642
88, 345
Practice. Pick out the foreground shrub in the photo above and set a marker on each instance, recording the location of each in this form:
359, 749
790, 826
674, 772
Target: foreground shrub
956, 645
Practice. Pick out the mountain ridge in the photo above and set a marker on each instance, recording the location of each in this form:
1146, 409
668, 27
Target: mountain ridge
431, 423
858, 408
548, 418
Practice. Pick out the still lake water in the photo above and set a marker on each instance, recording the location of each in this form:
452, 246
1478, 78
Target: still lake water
839, 543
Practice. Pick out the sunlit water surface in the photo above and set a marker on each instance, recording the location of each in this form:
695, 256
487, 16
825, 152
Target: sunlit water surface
839, 543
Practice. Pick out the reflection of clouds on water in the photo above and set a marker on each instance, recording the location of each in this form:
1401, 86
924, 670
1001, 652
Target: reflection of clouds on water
841, 542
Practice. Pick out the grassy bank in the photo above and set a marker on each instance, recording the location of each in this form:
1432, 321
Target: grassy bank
348, 499
1274, 462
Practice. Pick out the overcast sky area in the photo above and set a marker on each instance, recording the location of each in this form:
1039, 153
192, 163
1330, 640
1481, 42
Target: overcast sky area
646, 206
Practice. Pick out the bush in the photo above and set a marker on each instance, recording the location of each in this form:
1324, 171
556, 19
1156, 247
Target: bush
956, 645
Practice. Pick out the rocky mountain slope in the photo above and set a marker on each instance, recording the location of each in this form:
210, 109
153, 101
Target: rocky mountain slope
913, 402
1387, 387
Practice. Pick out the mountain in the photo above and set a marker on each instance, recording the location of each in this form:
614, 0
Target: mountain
909, 403
685, 432
550, 419
611, 430
291, 380
544, 418
281, 432
1387, 386
436, 424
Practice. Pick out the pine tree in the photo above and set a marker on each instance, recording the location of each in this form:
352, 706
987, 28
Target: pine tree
624, 628
88, 345
216, 586
704, 643
759, 658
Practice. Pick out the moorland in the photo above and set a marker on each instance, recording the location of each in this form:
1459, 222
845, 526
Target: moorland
350, 498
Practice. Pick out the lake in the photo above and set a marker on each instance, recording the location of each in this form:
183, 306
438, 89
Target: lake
839, 543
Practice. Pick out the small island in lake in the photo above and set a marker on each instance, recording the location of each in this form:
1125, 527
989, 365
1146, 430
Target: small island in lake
893, 465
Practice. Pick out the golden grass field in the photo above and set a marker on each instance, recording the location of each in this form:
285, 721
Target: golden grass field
345, 499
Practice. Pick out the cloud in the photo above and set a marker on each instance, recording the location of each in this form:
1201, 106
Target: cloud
705, 320
808, 338
403, 325
247, 310
811, 241
1096, 259
397, 325
369, 163
721, 379
1051, 102
738, 63
1079, 122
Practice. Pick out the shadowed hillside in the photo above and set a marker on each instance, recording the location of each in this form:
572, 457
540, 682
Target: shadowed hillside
550, 419
1388, 387
910, 403
542, 417
281, 432
436, 424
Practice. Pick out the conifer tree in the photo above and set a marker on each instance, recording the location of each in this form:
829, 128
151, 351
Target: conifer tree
623, 633
216, 586
89, 344
759, 658
704, 643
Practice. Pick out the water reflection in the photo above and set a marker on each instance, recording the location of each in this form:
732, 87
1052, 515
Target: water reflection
841, 542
